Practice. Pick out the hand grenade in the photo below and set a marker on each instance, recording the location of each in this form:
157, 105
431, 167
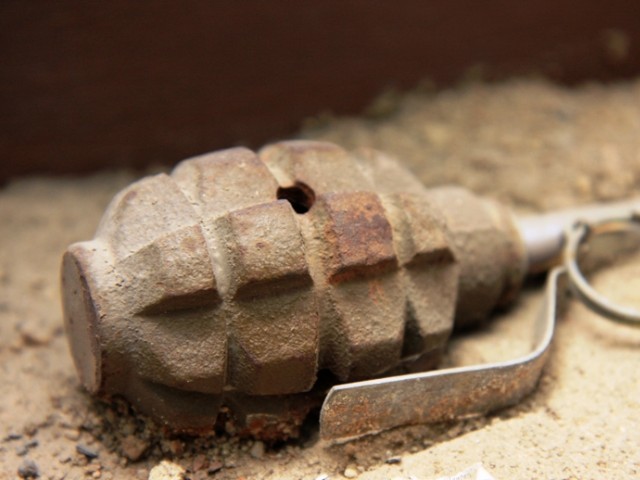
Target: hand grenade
242, 284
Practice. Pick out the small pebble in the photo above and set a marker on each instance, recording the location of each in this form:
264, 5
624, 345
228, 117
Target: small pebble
230, 428
176, 447
28, 469
200, 462
31, 429
350, 472
133, 447
32, 335
88, 452
167, 470
24, 449
393, 460
257, 450
94, 467
214, 467
72, 435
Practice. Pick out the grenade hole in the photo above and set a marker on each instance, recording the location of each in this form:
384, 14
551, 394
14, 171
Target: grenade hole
300, 196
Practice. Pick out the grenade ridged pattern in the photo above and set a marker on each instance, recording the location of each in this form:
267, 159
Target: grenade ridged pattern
241, 276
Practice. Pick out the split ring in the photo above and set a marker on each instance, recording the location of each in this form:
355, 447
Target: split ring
578, 236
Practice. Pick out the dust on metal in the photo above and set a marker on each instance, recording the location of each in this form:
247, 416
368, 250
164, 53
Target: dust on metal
245, 284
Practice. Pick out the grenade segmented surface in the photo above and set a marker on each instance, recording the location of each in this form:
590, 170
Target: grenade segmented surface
234, 281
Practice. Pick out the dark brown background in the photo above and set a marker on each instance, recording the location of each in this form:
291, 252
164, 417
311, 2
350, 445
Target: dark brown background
87, 85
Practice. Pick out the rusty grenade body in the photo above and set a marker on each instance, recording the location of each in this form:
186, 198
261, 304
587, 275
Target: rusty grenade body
232, 282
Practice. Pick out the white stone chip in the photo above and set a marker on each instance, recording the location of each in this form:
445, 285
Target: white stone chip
475, 472
167, 470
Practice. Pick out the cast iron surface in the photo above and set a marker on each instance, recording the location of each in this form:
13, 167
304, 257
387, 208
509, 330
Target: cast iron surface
230, 284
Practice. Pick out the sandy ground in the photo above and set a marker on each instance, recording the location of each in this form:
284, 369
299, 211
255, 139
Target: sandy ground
530, 144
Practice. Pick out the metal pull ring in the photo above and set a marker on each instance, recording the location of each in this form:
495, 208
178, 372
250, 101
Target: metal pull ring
577, 237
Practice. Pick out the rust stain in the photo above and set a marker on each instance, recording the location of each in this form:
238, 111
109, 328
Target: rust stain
360, 236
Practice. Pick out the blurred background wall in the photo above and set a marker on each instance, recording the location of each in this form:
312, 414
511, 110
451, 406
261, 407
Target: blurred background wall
86, 85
